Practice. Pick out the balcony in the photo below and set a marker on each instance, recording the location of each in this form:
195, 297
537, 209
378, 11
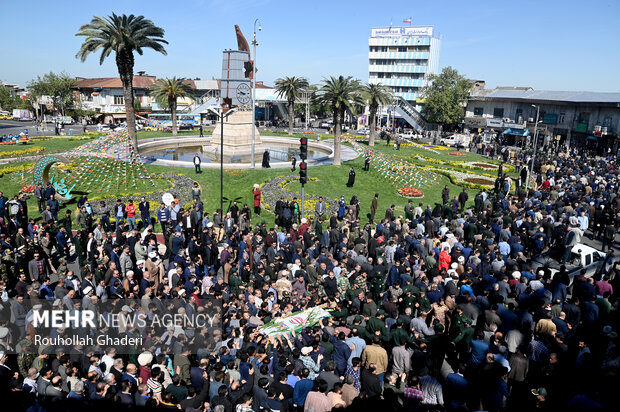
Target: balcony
397, 82
399, 55
392, 68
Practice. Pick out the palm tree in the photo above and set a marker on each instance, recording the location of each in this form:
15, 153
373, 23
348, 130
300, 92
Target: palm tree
290, 87
375, 94
170, 90
342, 94
122, 35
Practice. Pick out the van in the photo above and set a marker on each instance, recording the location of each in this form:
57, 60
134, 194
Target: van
456, 140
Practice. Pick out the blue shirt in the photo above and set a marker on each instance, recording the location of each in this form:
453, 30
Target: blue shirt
301, 390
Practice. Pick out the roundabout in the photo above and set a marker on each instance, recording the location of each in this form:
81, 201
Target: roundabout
180, 151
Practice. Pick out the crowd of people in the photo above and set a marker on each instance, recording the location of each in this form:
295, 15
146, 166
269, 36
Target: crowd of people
445, 307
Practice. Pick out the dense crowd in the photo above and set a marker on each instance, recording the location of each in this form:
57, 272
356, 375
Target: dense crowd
450, 306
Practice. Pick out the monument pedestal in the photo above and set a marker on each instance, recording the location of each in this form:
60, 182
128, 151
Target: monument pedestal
237, 133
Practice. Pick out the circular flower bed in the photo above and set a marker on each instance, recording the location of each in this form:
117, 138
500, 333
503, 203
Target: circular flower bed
484, 165
410, 192
479, 181
457, 154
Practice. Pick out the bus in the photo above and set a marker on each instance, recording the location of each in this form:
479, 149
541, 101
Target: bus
184, 121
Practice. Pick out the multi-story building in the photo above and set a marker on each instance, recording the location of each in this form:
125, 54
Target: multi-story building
402, 58
105, 95
590, 119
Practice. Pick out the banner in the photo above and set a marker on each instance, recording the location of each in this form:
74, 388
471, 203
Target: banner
294, 322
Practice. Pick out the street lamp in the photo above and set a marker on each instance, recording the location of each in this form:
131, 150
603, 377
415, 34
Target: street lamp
221, 116
531, 166
254, 44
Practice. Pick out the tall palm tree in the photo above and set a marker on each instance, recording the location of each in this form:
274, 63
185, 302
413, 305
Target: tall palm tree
291, 87
122, 35
342, 94
376, 94
170, 90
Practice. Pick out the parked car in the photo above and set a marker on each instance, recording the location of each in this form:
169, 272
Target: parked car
363, 132
456, 140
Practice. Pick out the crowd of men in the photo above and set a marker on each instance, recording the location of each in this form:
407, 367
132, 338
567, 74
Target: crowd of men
443, 308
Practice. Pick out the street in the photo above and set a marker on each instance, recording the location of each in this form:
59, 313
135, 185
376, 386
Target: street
15, 127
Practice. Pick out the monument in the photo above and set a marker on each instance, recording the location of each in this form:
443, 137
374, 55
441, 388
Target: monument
236, 92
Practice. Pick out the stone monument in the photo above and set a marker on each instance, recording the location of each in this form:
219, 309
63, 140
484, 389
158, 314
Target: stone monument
236, 92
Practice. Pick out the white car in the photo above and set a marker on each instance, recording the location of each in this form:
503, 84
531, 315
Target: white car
363, 132
456, 140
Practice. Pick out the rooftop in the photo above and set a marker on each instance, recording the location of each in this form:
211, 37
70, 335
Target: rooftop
526, 93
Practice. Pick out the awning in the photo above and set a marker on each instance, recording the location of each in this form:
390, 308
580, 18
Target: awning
517, 132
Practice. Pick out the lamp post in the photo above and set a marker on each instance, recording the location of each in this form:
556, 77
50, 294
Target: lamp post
254, 44
221, 116
531, 166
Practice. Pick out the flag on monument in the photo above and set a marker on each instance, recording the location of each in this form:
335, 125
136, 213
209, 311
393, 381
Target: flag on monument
294, 322
407, 20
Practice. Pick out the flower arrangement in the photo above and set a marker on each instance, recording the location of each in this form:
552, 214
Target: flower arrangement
410, 192
28, 189
457, 154
14, 153
12, 169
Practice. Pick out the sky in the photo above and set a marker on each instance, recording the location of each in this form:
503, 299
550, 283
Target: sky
547, 45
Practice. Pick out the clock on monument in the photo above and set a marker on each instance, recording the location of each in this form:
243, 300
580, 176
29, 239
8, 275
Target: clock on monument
243, 93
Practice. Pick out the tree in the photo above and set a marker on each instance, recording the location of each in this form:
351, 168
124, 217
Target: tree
446, 97
122, 35
290, 88
342, 94
170, 90
9, 99
375, 94
57, 87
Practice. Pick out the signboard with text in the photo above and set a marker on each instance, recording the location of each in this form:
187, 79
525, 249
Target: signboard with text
402, 31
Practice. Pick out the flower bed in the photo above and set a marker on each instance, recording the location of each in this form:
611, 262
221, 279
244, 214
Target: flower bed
485, 165
28, 189
434, 147
11, 169
274, 189
16, 153
479, 181
410, 192
457, 154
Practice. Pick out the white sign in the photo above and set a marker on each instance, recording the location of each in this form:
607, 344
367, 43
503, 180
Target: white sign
167, 198
402, 31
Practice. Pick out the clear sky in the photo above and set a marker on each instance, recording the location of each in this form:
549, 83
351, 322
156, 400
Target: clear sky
550, 44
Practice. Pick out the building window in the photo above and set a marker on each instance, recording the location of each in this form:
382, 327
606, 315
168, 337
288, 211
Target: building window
119, 99
498, 112
478, 111
561, 118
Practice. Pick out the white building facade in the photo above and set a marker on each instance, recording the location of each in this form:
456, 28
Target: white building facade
402, 58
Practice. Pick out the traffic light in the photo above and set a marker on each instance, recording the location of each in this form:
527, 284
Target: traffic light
303, 173
303, 148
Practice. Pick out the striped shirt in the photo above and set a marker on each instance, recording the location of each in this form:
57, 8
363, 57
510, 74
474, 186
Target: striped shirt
154, 386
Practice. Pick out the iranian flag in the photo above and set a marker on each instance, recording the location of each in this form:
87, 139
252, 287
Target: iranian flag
407, 20
294, 322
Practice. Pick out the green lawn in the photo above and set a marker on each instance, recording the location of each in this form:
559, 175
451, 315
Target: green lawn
408, 151
51, 145
238, 183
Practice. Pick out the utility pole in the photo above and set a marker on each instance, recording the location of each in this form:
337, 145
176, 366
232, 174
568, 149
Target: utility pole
254, 44
531, 166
